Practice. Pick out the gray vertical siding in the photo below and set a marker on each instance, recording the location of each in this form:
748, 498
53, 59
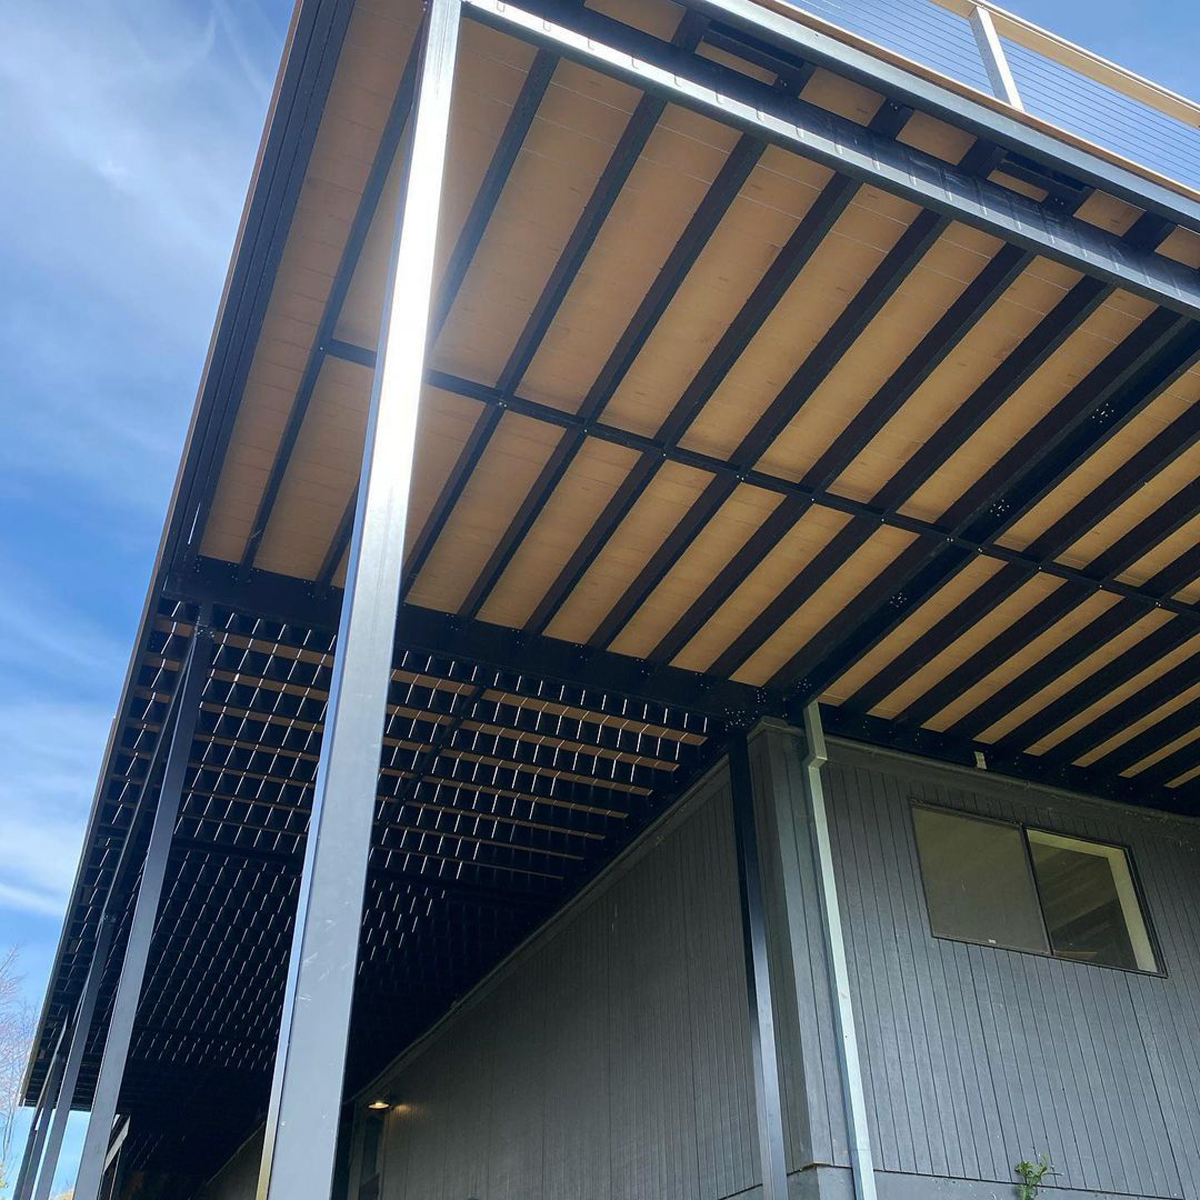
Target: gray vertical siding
976, 1057
611, 1059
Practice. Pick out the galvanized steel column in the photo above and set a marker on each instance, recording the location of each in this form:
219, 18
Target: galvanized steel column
862, 1158
767, 1095
145, 913
306, 1093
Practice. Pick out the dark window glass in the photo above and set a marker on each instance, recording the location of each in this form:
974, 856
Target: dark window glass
1089, 901
978, 883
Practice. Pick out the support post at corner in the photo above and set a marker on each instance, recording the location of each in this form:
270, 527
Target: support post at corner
145, 914
300, 1139
763, 1039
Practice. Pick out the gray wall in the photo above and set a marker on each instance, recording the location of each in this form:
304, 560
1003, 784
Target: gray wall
611, 1059
977, 1057
238, 1178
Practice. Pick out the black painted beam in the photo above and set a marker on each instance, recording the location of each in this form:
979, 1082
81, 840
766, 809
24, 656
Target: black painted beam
389, 144
605, 194
607, 683
1175, 765
1106, 679
1126, 756
1148, 361
1132, 475
671, 277
715, 90
928, 743
1048, 612
1164, 688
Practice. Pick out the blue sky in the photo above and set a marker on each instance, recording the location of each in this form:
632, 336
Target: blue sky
128, 132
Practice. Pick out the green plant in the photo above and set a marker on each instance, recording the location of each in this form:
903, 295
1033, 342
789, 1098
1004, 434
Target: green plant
1031, 1176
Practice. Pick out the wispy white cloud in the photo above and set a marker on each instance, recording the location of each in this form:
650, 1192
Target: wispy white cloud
128, 140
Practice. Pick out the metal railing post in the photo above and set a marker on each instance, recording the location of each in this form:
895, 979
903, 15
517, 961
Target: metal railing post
306, 1093
995, 61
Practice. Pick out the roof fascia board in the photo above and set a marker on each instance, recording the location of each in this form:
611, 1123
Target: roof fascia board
721, 93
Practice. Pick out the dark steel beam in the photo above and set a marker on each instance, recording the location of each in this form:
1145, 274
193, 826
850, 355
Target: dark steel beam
768, 1094
1076, 649
500, 167
389, 144
1038, 769
1164, 688
787, 35
714, 90
808, 236
1175, 765
621, 685
1132, 475
703, 223
876, 513
315, 46
833, 345
484, 205
1047, 612
587, 228
1100, 683
1170, 728
1156, 354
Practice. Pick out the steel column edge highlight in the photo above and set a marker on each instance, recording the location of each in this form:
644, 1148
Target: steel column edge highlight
764, 1052
39, 1124
853, 1094
300, 1138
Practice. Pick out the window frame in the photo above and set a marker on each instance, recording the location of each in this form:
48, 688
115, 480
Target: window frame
1024, 828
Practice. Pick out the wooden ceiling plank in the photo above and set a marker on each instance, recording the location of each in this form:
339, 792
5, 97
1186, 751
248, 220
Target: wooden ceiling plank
604, 196
1145, 363
1003, 584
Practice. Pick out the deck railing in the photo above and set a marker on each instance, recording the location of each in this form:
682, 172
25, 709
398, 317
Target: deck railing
977, 43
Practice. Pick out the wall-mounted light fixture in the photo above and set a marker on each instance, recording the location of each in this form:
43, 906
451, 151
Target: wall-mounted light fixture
379, 1105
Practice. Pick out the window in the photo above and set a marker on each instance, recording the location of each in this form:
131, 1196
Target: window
374, 1124
1026, 889
1088, 898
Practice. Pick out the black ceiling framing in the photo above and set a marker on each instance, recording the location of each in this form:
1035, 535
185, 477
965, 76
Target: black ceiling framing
518, 790
1104, 499
939, 543
1148, 361
503, 782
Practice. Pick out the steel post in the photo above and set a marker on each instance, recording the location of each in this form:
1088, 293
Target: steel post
141, 929
79, 1036
38, 1126
763, 1049
306, 1095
